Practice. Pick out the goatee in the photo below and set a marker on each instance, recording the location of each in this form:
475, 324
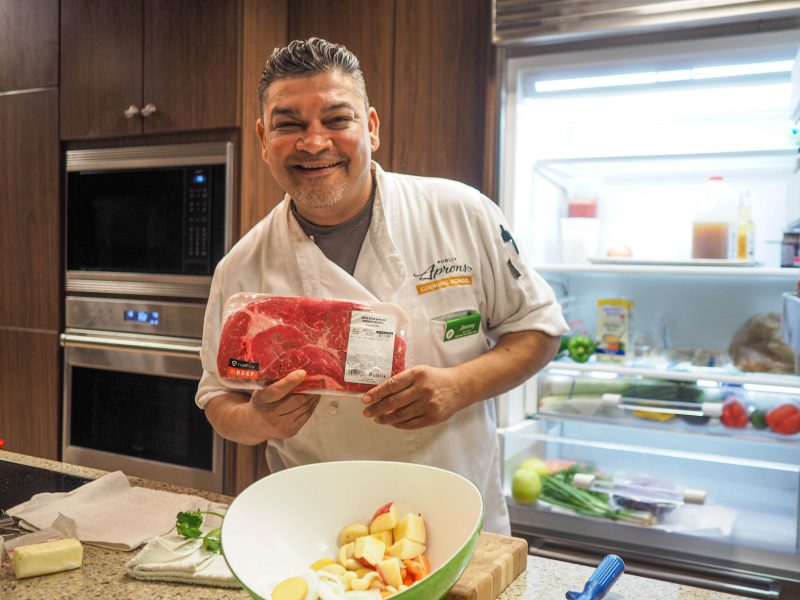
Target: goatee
313, 196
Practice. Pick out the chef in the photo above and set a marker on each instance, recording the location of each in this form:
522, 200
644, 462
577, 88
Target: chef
479, 321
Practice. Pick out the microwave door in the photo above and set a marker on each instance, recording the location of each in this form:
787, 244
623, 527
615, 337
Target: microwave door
126, 221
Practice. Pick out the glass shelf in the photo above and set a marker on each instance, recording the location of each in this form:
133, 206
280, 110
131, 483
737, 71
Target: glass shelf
779, 160
693, 374
787, 273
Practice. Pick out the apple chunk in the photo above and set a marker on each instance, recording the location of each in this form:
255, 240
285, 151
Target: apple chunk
384, 519
411, 527
405, 549
351, 533
389, 570
369, 551
384, 536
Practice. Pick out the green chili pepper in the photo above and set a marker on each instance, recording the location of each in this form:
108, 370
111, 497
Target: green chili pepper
580, 348
758, 418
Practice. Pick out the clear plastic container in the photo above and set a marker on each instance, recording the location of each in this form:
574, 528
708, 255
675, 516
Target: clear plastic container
745, 229
580, 229
713, 224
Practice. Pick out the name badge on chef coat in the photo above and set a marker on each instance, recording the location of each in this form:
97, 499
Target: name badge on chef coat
460, 324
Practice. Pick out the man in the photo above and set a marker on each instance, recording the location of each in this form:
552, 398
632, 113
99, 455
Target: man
348, 230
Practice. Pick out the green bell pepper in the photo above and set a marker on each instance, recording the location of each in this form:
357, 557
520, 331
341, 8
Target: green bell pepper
580, 348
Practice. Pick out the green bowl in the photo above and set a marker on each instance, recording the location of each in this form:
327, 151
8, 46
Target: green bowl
282, 523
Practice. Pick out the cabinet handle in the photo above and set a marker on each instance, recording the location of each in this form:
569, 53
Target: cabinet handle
131, 111
149, 109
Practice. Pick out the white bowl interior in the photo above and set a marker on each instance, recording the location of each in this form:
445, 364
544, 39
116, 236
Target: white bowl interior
281, 524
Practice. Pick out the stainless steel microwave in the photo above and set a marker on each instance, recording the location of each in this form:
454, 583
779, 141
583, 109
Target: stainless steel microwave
149, 220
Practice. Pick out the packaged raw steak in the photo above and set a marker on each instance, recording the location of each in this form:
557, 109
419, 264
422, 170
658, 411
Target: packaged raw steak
345, 347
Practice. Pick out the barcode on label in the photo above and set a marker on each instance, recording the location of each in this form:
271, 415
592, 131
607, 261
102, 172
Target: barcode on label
356, 372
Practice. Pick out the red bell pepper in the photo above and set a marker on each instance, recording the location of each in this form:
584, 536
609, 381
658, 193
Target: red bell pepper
734, 413
784, 419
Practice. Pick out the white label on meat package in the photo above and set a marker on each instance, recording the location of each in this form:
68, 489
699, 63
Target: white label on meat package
370, 348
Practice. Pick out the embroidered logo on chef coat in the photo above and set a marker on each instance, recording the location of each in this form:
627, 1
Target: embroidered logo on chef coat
444, 273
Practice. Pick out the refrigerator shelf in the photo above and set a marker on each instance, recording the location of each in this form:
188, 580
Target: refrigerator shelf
610, 167
694, 374
710, 428
629, 268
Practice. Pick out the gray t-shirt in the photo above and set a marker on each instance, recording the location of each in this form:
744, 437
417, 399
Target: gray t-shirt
340, 243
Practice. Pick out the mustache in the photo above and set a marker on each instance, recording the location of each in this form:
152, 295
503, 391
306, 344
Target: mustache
304, 157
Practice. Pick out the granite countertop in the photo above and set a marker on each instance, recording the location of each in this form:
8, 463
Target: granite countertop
103, 576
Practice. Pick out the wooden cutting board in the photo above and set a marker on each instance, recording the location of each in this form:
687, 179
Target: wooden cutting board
497, 561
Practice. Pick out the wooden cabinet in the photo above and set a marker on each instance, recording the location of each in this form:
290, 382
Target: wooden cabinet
30, 268
137, 67
441, 70
29, 272
30, 408
28, 44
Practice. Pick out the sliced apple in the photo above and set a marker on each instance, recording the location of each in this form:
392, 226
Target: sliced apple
411, 527
368, 550
405, 549
351, 532
385, 536
389, 570
385, 518
345, 554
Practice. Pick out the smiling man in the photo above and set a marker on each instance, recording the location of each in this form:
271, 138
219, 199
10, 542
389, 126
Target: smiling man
317, 137
480, 322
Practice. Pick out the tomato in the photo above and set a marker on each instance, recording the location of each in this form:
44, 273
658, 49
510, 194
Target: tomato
784, 419
734, 413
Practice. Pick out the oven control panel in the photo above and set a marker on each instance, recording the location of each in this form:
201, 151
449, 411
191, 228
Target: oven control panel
182, 319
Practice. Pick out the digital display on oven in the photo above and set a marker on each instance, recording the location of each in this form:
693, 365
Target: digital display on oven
141, 316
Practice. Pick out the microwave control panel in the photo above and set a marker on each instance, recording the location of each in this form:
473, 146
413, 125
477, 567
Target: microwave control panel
198, 216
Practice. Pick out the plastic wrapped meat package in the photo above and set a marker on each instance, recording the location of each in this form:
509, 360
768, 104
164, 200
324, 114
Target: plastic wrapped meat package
345, 347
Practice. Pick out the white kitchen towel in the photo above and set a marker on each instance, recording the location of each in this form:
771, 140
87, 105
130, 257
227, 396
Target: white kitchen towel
176, 559
109, 512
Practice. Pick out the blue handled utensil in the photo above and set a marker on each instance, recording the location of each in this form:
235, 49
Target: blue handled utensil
604, 576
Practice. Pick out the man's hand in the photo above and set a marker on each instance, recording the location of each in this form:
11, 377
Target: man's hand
423, 396
281, 411
419, 397
272, 412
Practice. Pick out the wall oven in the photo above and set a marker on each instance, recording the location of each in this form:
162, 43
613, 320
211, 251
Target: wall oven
148, 220
131, 369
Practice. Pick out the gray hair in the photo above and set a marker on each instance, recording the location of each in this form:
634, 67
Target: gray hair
303, 58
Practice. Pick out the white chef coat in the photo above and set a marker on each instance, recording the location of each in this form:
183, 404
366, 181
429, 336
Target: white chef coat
434, 248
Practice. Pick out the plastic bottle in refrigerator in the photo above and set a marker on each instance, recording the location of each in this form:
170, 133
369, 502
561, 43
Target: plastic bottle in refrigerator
580, 229
713, 222
745, 229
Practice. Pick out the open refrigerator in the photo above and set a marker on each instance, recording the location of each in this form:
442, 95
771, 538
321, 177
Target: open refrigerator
605, 158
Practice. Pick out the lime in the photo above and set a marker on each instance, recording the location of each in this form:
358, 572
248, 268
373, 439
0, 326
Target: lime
526, 486
535, 464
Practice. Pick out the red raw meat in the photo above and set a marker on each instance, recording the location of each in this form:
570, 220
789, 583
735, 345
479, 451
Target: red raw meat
283, 334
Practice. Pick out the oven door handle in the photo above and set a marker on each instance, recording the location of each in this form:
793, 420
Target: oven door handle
99, 341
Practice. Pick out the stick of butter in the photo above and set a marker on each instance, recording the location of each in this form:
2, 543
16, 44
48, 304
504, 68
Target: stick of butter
47, 557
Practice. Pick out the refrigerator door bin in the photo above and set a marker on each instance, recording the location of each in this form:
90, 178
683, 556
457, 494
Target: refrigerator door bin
749, 522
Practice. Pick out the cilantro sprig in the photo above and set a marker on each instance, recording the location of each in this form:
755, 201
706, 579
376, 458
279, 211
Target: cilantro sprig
188, 525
